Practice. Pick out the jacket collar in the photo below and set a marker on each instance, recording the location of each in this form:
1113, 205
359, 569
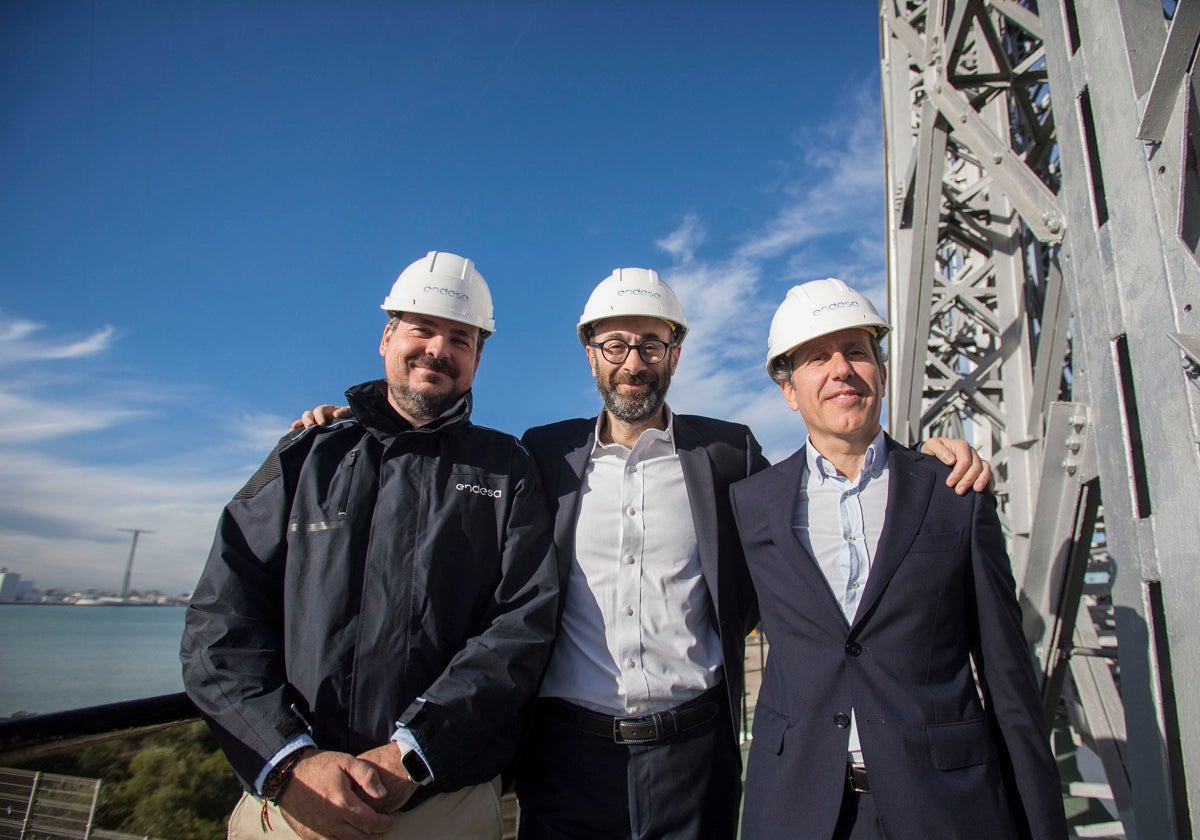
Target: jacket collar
910, 486
371, 408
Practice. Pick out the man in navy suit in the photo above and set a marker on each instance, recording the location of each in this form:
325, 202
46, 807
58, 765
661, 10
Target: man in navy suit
899, 699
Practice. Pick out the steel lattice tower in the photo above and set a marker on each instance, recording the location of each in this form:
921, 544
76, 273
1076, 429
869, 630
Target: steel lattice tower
1043, 207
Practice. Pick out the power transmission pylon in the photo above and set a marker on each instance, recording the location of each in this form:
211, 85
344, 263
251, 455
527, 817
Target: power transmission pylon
137, 532
1043, 182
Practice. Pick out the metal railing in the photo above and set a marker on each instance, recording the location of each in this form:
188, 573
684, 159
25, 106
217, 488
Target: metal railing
54, 805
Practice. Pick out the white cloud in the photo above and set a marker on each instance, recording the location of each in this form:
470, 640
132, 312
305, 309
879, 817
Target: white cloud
258, 433
17, 344
25, 419
722, 369
834, 189
681, 243
61, 510
11, 331
59, 523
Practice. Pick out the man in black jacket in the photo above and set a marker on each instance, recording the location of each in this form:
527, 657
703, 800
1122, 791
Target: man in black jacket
380, 598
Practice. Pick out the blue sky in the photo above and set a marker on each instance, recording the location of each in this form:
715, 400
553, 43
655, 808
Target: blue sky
203, 204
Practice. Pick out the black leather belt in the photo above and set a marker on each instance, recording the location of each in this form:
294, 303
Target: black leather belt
856, 778
651, 729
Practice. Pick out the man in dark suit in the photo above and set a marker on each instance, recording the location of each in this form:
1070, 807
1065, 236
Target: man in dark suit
635, 731
899, 699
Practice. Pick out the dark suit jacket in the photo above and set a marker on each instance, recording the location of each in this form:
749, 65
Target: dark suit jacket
944, 759
713, 454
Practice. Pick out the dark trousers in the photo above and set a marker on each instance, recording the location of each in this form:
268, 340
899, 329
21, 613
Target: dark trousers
858, 819
574, 785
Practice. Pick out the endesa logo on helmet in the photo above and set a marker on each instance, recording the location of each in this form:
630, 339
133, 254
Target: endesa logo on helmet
442, 290
837, 304
479, 490
639, 293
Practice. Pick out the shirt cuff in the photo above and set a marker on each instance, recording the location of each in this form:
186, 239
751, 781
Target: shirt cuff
405, 739
299, 742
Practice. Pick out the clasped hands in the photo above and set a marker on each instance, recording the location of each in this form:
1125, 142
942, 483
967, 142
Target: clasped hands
337, 796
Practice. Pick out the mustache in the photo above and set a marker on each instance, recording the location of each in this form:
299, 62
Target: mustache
436, 365
642, 377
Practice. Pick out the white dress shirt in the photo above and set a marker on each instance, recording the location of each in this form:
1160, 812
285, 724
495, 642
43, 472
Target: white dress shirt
638, 635
839, 521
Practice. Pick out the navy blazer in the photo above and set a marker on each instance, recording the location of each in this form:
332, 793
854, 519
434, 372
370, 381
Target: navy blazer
713, 455
944, 758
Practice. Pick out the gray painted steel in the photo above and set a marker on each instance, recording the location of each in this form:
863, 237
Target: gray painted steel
1043, 207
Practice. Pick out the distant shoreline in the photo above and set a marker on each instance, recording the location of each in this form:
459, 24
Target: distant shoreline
93, 604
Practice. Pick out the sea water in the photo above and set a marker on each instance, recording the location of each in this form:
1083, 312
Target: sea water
54, 658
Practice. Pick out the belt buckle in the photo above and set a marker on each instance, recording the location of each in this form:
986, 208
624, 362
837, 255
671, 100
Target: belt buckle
637, 730
856, 777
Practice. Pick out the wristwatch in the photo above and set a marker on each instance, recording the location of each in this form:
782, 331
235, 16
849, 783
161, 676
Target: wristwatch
416, 767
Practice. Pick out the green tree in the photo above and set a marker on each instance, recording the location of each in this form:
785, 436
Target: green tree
174, 784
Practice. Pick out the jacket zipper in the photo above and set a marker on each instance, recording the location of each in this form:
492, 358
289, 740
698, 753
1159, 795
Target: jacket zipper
353, 460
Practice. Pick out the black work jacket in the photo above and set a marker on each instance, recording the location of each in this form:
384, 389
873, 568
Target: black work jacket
370, 574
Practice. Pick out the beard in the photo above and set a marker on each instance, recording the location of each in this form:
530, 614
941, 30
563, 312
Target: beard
633, 408
421, 403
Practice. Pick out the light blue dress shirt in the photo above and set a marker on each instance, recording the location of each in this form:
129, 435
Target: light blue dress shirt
839, 520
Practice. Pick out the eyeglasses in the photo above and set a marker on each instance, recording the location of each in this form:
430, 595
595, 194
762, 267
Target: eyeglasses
616, 351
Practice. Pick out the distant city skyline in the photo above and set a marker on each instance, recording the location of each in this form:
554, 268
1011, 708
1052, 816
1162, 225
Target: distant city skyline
16, 587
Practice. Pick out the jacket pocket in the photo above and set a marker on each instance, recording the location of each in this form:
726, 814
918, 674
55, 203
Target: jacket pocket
963, 744
937, 543
769, 728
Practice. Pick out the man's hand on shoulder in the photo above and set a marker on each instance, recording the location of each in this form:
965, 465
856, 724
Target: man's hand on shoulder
330, 796
970, 472
322, 415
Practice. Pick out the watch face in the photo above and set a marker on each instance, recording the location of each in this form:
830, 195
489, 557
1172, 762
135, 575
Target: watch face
418, 771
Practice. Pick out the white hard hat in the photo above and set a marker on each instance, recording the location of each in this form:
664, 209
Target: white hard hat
633, 291
818, 308
444, 285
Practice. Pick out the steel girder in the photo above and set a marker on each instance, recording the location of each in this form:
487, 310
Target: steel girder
1043, 186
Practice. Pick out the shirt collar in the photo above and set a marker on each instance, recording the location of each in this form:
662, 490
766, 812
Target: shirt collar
650, 436
874, 463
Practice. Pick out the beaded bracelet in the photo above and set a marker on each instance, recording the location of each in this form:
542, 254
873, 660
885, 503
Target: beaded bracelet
276, 782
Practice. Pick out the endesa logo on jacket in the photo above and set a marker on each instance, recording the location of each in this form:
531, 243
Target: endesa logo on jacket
479, 490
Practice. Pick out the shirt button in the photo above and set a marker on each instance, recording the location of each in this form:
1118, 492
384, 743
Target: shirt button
632, 468
629, 561
841, 721
854, 584
632, 512
629, 611
629, 663
850, 538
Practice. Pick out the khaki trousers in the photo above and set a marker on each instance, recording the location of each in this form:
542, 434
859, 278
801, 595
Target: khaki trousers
469, 814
